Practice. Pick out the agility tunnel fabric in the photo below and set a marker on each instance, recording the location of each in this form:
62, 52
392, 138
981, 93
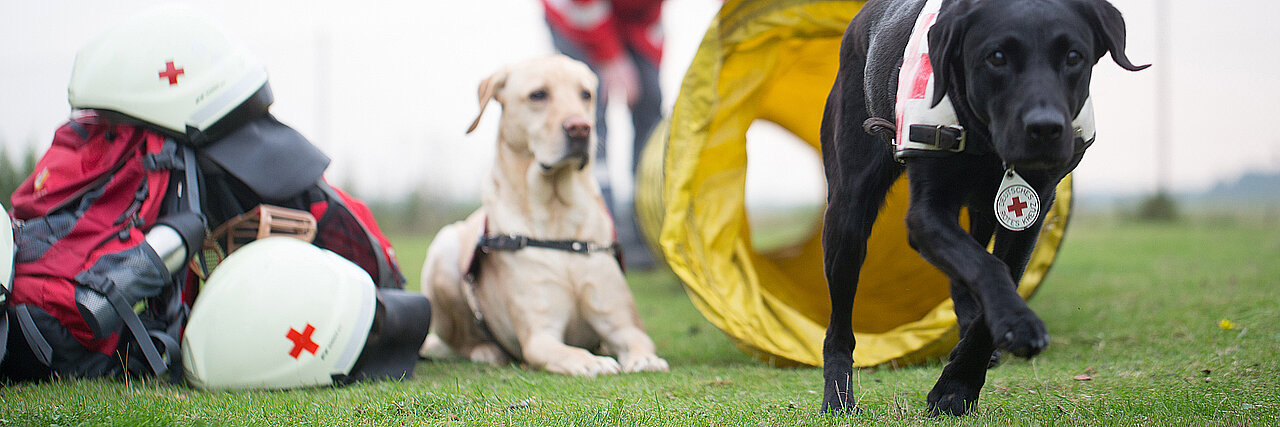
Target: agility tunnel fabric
776, 61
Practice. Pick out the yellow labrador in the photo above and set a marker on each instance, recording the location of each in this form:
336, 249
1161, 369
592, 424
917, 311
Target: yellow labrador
548, 286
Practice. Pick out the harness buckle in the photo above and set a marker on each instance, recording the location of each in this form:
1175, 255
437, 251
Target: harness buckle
960, 140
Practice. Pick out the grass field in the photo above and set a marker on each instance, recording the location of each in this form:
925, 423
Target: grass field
1138, 309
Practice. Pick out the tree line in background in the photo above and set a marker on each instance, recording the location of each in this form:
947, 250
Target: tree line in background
419, 212
424, 211
15, 168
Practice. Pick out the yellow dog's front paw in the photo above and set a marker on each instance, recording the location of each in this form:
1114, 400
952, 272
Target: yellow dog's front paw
588, 365
488, 353
644, 363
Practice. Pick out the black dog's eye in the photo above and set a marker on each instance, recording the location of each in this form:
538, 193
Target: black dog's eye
997, 59
586, 95
538, 95
1074, 58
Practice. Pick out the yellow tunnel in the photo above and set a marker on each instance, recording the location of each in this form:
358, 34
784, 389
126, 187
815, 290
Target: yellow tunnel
776, 61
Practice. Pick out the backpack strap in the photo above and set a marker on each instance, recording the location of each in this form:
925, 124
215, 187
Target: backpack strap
4, 330
36, 340
105, 286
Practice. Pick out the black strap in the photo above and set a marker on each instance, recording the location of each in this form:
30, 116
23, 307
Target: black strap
192, 170
169, 157
515, 242
4, 332
140, 334
951, 138
191, 194
39, 345
105, 286
172, 352
471, 282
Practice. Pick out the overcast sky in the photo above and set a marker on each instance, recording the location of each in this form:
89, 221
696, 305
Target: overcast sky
400, 90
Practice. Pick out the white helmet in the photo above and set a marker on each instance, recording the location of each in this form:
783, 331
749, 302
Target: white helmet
170, 67
281, 313
7, 252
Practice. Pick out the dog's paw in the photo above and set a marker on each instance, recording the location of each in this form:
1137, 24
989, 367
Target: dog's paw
837, 400
643, 363
841, 406
951, 397
488, 353
1022, 334
588, 365
953, 404
995, 359
435, 348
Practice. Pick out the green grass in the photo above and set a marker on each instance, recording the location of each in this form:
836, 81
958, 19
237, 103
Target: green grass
1134, 306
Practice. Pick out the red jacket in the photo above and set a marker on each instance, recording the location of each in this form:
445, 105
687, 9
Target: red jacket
603, 27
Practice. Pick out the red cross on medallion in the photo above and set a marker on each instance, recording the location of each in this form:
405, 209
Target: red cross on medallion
170, 72
302, 341
1017, 206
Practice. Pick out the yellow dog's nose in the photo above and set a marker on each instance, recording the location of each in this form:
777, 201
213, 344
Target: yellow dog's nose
577, 128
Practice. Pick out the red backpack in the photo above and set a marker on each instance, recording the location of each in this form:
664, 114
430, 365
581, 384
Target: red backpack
90, 296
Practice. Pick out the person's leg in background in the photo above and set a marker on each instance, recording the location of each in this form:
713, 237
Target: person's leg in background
645, 116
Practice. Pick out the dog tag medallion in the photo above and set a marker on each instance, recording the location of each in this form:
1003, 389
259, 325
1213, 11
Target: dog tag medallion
1017, 204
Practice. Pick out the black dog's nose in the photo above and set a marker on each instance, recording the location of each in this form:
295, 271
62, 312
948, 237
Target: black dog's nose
577, 128
1043, 126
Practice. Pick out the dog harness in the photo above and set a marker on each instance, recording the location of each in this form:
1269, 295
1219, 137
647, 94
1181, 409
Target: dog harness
487, 244
925, 130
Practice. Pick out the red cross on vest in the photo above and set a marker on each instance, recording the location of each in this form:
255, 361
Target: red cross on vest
171, 72
302, 341
1017, 206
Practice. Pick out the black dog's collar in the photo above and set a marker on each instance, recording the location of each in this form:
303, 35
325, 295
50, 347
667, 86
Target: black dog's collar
944, 140
942, 137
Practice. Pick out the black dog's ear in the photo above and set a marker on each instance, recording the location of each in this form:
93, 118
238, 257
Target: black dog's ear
945, 39
1108, 29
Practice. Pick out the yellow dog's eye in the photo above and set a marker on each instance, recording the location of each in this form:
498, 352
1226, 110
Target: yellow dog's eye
586, 95
538, 95
997, 59
1074, 58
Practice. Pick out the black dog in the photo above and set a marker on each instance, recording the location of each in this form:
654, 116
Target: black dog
1017, 72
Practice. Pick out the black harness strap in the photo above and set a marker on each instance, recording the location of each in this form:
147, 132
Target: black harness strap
514, 242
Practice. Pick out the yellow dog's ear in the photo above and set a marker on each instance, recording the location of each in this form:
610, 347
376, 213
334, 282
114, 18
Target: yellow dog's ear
489, 90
